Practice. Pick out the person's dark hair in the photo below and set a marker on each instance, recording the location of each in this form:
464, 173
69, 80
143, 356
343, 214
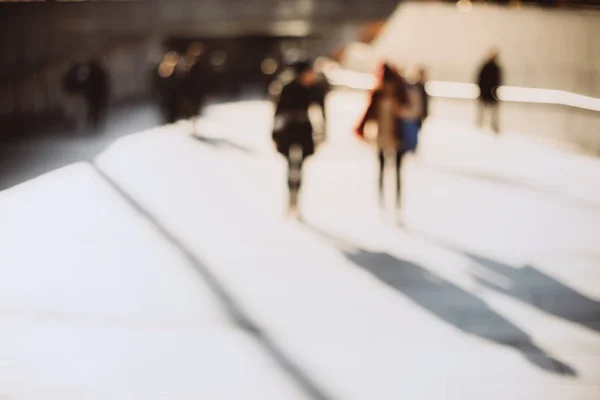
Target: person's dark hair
388, 74
302, 66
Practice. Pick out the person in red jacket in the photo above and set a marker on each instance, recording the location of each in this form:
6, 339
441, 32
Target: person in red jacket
385, 108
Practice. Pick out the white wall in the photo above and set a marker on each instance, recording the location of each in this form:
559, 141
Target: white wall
554, 49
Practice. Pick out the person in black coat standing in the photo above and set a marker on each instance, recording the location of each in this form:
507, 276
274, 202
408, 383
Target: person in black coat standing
489, 79
97, 93
293, 130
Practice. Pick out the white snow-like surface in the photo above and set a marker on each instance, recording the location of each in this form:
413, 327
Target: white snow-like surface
487, 290
95, 304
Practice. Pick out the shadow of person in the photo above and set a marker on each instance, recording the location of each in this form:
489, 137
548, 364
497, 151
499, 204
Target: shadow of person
223, 143
448, 302
534, 287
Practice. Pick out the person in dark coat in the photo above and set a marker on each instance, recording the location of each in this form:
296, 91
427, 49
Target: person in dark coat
89, 81
198, 85
97, 93
293, 130
488, 80
75, 77
169, 81
194, 87
74, 86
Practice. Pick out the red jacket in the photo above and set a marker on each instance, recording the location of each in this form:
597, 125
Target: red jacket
376, 93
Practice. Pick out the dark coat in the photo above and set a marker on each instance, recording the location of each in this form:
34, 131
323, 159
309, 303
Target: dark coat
198, 83
293, 104
489, 78
75, 79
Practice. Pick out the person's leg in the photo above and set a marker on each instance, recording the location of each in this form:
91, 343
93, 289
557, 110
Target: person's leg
381, 175
399, 157
292, 185
495, 117
480, 113
295, 163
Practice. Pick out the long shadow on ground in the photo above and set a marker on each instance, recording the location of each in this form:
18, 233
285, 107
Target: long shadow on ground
448, 302
532, 286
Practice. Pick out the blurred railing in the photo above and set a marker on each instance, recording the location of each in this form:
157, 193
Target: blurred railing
462, 90
562, 4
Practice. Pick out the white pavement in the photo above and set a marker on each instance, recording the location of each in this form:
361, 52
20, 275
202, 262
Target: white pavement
488, 290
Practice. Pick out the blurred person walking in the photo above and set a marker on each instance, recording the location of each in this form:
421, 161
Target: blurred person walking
86, 84
74, 85
169, 81
293, 130
488, 80
97, 94
386, 109
195, 87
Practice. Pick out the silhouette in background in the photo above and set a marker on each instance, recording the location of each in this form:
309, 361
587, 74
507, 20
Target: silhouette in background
195, 87
421, 82
488, 80
293, 130
181, 83
74, 82
87, 88
448, 302
169, 81
385, 108
97, 94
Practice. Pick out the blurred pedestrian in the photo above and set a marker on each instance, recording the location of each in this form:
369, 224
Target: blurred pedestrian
97, 94
488, 80
195, 88
86, 84
293, 130
74, 83
421, 84
168, 83
385, 108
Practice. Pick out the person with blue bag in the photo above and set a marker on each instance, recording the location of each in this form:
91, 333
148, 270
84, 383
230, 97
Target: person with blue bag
411, 117
385, 109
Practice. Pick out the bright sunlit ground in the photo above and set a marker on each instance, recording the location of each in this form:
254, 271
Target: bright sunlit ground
485, 287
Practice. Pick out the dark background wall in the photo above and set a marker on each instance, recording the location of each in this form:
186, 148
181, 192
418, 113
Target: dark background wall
40, 39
